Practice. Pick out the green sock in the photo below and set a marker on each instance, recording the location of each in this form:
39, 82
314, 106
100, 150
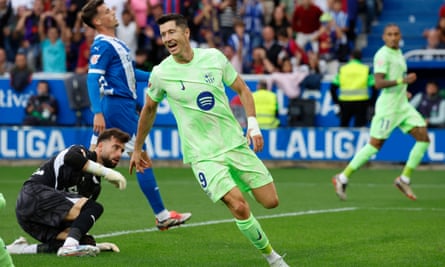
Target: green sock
415, 157
5, 258
359, 159
251, 228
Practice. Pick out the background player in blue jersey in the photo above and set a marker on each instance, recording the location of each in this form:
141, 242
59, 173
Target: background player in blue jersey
111, 84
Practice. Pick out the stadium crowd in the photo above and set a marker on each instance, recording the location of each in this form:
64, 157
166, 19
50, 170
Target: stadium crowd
50, 31
296, 43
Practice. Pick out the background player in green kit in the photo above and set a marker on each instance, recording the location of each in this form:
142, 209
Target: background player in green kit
212, 141
392, 110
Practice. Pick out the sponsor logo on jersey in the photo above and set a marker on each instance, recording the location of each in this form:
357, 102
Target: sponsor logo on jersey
94, 59
205, 101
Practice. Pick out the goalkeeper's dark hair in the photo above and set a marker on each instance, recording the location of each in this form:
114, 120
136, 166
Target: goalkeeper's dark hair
89, 11
179, 19
123, 137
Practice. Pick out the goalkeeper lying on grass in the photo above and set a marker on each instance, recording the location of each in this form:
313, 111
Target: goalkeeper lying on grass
57, 204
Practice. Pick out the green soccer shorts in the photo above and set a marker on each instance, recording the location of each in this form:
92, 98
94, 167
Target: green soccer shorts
406, 119
238, 167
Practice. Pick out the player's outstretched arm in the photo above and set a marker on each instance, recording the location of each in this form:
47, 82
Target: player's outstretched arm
147, 116
110, 175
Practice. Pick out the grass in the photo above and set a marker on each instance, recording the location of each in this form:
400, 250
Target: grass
376, 226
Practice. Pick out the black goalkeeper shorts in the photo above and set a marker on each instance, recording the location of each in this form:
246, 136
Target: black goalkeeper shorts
41, 210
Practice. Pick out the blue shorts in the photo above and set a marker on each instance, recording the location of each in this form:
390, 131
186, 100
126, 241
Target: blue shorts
121, 113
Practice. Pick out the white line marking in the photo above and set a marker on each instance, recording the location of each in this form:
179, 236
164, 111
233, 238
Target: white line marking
289, 214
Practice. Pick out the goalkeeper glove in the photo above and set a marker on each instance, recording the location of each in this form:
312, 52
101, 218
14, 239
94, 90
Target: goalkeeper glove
106, 246
110, 175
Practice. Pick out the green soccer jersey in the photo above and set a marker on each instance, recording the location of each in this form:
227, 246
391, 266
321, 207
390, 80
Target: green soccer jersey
391, 63
196, 94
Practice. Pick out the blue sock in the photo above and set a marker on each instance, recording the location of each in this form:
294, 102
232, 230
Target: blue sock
149, 187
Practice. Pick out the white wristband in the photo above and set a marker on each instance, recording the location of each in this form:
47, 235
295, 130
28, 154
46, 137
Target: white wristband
96, 168
252, 125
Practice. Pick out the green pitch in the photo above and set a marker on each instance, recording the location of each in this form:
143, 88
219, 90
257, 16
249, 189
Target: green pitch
376, 226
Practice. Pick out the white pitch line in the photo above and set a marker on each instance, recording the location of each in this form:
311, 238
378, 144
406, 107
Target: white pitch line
289, 214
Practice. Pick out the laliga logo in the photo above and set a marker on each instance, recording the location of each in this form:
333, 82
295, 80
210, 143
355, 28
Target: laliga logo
205, 101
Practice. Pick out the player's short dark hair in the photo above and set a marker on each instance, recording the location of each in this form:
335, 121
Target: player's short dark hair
357, 54
391, 24
262, 84
89, 11
120, 135
178, 18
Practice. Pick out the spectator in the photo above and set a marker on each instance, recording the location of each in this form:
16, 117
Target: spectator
272, 47
268, 10
227, 17
11, 38
340, 17
431, 105
260, 63
41, 109
289, 7
253, 15
84, 51
287, 79
21, 73
280, 21
240, 41
235, 57
139, 10
152, 38
6, 14
352, 13
331, 41
73, 44
433, 39
306, 23
296, 54
315, 75
209, 28
436, 36
350, 90
73, 10
5, 65
266, 106
53, 45
128, 31
59, 7
27, 26
190, 8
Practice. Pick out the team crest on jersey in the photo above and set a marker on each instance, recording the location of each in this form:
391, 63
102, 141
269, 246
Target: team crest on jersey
94, 59
205, 101
209, 77
380, 63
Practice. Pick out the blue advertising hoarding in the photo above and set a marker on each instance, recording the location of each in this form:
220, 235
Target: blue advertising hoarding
299, 144
13, 104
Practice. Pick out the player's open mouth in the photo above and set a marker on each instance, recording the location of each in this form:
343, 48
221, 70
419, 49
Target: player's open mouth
172, 46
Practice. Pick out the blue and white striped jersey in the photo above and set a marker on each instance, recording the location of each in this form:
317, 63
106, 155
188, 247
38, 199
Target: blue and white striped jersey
111, 70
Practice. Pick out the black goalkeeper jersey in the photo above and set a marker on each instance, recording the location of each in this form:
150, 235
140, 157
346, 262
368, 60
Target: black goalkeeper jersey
64, 172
